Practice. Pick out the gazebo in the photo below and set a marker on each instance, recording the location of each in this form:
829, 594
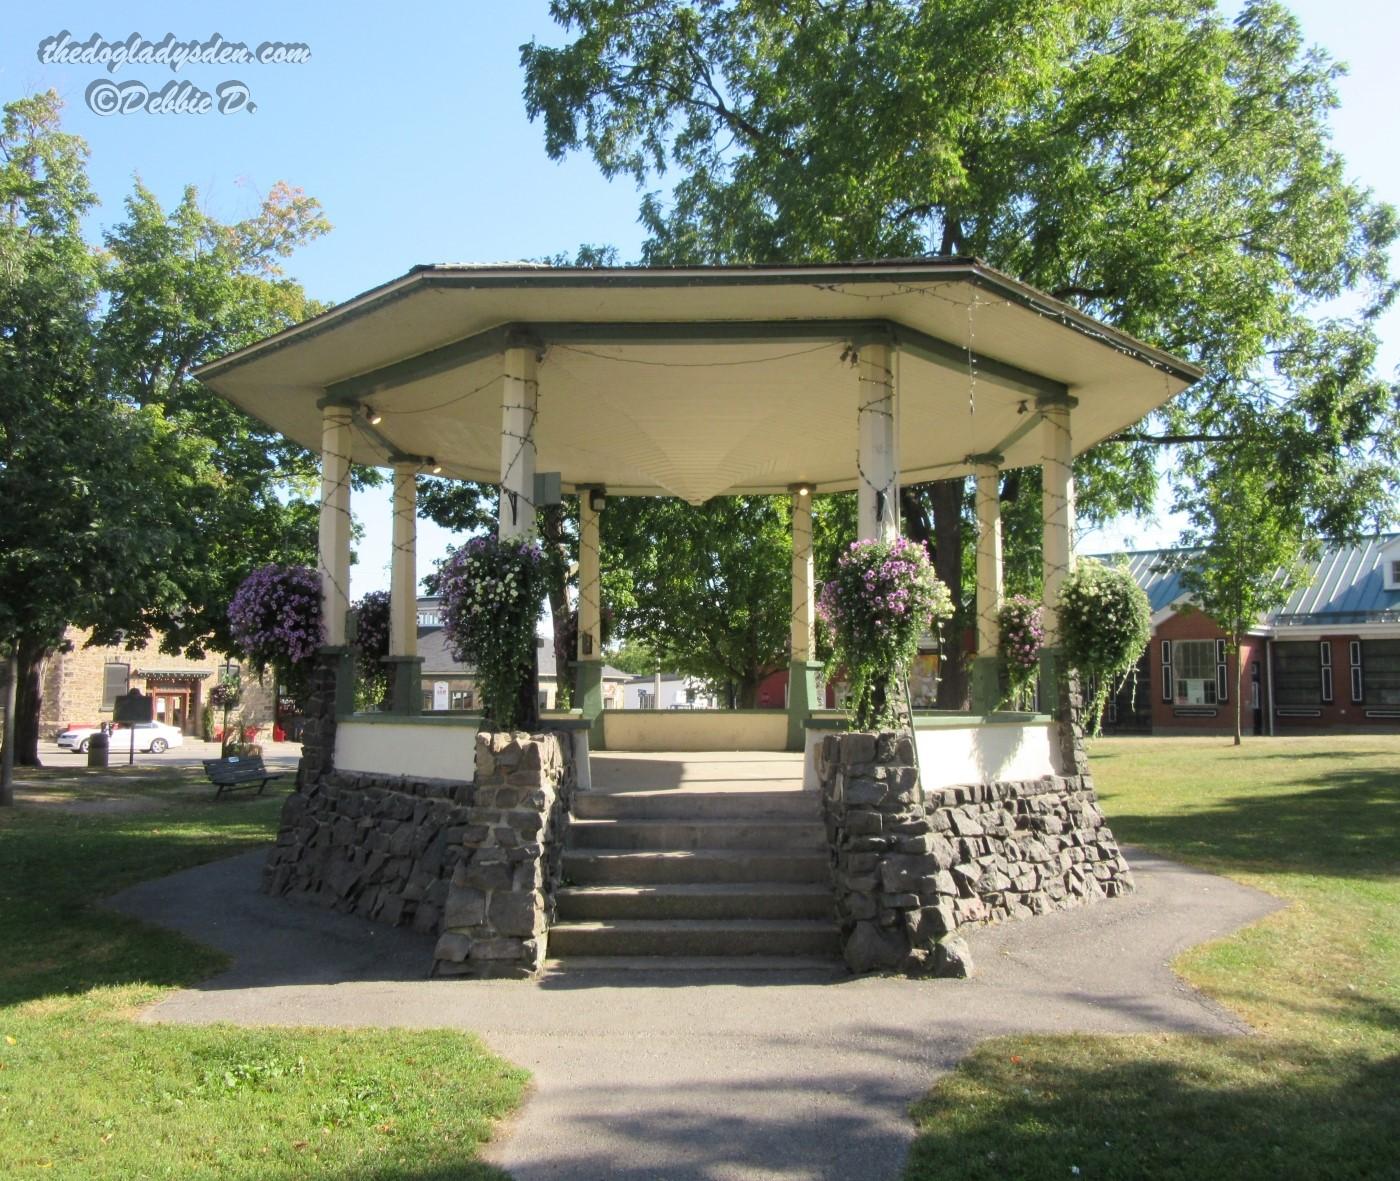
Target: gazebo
698, 382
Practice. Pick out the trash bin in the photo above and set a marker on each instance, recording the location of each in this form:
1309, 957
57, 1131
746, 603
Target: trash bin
98, 749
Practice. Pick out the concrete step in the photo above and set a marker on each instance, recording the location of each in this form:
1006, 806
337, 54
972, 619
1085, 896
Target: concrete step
676, 804
694, 937
709, 968
630, 867
757, 833
709, 900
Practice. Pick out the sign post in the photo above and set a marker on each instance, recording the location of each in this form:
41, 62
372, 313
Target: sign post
131, 708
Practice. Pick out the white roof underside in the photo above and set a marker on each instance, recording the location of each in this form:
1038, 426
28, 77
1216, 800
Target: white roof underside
664, 413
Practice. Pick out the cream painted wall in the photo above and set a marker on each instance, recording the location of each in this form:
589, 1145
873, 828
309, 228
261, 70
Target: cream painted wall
403, 748
700, 729
951, 755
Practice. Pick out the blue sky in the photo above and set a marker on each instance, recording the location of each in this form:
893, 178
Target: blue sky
407, 124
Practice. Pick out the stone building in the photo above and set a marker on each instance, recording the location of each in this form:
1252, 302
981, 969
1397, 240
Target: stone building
80, 685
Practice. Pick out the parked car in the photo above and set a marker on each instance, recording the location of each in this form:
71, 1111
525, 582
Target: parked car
155, 737
76, 737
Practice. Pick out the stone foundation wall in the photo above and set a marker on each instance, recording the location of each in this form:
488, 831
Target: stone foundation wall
500, 902
379, 846
911, 870
476, 863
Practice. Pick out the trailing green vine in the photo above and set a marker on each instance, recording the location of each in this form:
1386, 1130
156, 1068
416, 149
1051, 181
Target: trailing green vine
492, 594
1105, 623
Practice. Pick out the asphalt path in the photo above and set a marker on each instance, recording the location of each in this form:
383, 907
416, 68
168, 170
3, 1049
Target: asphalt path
710, 1075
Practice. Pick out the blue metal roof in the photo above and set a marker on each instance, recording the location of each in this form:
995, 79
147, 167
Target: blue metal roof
1345, 585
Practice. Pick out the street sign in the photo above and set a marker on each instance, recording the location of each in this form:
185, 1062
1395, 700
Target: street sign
130, 707
134, 706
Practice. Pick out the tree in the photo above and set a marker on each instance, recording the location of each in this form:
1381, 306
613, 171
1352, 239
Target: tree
1148, 161
1247, 554
159, 539
706, 587
184, 288
633, 656
69, 549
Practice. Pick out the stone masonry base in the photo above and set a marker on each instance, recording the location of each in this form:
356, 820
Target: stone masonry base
475, 863
912, 868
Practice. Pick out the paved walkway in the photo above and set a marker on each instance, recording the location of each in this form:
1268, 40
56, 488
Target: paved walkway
710, 1076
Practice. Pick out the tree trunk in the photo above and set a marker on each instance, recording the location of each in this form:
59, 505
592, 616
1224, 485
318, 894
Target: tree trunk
1239, 689
748, 692
29, 701
7, 751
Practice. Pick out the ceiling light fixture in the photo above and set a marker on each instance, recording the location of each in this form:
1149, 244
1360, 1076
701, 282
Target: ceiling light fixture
375, 418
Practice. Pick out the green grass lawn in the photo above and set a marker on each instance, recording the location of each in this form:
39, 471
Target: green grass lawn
86, 1092
1316, 1094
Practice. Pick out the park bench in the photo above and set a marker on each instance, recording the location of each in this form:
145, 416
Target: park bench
238, 771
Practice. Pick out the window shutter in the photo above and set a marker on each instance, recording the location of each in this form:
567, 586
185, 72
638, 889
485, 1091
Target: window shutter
1222, 673
1356, 682
1324, 659
1167, 686
116, 680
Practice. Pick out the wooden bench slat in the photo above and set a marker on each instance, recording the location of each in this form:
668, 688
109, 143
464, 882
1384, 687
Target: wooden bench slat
239, 771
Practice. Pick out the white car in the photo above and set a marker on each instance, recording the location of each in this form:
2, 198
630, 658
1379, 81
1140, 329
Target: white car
155, 737
77, 737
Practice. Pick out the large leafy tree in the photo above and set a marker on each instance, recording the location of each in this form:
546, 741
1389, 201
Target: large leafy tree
705, 587
82, 478
134, 500
1149, 161
183, 288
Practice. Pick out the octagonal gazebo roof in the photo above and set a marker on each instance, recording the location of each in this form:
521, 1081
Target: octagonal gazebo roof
700, 381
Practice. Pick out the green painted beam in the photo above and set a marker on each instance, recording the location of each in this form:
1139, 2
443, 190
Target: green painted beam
484, 344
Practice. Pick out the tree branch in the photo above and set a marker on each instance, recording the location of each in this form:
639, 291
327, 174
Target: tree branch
1169, 440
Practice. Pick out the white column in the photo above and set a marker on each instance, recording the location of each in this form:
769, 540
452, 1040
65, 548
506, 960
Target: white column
334, 548
590, 593
988, 558
403, 574
802, 592
1057, 506
878, 453
519, 406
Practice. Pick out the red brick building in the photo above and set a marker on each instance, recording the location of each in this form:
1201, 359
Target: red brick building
1328, 660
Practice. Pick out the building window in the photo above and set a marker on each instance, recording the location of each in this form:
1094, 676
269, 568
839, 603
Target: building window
1167, 686
1324, 661
1380, 672
230, 671
116, 680
1393, 582
1297, 673
461, 699
1357, 688
1222, 672
1195, 672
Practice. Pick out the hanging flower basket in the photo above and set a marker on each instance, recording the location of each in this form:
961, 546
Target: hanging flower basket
1105, 624
275, 617
1021, 638
884, 597
492, 593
